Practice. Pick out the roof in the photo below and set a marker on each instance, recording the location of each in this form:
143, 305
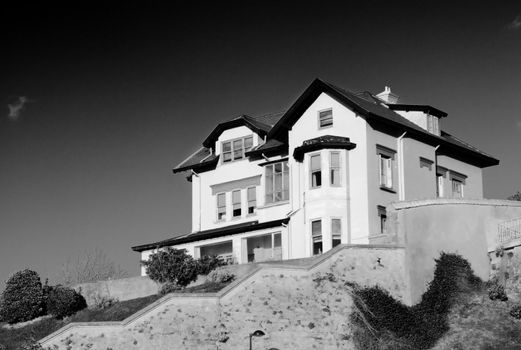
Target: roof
275, 127
213, 233
327, 141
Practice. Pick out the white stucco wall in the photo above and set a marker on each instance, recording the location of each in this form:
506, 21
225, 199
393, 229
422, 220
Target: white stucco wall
473, 188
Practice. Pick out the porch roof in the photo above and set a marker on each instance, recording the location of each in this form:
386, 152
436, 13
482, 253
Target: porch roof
213, 233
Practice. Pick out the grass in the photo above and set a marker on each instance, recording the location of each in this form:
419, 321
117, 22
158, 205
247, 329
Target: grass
12, 339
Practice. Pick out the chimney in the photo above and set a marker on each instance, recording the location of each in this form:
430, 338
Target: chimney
387, 96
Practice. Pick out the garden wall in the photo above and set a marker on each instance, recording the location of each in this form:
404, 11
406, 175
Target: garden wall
304, 307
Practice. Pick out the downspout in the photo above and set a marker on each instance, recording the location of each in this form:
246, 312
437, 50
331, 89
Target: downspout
199, 211
401, 168
436, 170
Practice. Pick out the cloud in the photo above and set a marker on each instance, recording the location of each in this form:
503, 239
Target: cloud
515, 24
16, 108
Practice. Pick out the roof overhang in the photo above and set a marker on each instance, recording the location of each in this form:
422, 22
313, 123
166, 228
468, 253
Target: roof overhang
243, 120
422, 108
322, 142
213, 233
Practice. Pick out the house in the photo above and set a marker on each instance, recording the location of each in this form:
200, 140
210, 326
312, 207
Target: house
296, 184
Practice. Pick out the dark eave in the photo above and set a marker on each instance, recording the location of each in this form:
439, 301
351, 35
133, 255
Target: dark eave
244, 120
213, 233
269, 149
205, 165
422, 108
322, 142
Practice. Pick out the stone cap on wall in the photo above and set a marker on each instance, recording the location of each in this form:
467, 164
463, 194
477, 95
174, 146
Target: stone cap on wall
443, 201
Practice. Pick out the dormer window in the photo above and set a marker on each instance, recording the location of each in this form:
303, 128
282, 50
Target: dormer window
325, 118
235, 149
432, 125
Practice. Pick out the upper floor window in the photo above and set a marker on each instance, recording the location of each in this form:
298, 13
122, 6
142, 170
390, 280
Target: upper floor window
315, 170
385, 166
325, 118
252, 200
277, 182
432, 125
221, 206
334, 169
441, 174
316, 234
236, 201
235, 149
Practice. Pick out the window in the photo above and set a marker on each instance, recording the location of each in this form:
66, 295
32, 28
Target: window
316, 234
458, 181
236, 201
439, 185
252, 199
385, 166
221, 206
316, 171
235, 149
426, 163
336, 231
325, 118
277, 182
382, 216
334, 170
432, 125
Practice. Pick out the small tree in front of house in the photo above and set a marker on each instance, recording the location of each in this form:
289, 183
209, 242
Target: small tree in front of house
515, 197
172, 266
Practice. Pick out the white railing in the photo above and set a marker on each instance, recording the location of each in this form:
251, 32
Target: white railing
509, 230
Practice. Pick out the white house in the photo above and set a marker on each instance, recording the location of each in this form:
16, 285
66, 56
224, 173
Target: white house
295, 184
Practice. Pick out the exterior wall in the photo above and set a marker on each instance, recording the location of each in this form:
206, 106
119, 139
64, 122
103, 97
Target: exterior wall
473, 188
296, 306
429, 227
417, 117
120, 289
347, 202
419, 182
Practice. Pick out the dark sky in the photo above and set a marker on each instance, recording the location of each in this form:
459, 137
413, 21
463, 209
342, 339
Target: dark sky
105, 100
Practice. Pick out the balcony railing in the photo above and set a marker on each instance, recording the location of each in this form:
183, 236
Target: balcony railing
509, 230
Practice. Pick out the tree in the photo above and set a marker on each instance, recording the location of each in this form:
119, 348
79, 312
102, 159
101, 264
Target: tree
172, 266
23, 298
93, 265
515, 197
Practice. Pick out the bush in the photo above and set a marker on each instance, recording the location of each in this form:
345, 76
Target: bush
169, 288
173, 266
23, 298
380, 321
516, 312
220, 276
497, 292
64, 301
103, 301
208, 263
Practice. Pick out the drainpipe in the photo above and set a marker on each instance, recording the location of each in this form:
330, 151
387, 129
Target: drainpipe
199, 211
436, 170
401, 168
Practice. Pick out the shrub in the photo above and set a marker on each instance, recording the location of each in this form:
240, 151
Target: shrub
220, 276
497, 292
64, 301
208, 263
380, 321
169, 288
103, 301
23, 298
516, 312
172, 265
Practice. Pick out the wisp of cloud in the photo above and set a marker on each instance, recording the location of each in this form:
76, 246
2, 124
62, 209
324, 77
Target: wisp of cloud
16, 108
515, 24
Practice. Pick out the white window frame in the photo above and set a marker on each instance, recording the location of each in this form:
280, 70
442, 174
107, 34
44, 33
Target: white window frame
385, 167
320, 237
338, 169
382, 219
251, 201
321, 115
336, 235
233, 149
235, 205
457, 180
223, 218
283, 194
312, 171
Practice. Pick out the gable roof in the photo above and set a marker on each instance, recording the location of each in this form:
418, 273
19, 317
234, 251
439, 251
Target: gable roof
375, 111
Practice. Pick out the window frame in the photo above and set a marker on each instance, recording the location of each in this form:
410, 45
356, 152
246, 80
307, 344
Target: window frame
458, 179
338, 168
382, 219
338, 235
239, 191
285, 185
319, 118
249, 200
218, 207
320, 237
311, 171
232, 150
386, 155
